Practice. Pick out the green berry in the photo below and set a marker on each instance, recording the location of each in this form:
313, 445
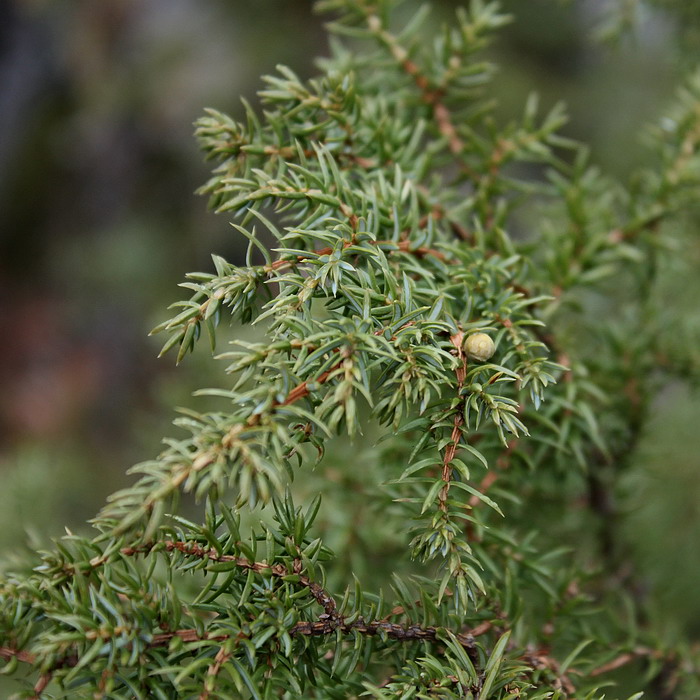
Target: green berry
479, 346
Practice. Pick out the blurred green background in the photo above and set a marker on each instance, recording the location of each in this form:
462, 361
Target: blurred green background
98, 224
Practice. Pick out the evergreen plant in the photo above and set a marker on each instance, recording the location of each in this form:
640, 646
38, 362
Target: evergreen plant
407, 490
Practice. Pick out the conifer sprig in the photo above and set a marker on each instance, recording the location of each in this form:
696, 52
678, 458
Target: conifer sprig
384, 206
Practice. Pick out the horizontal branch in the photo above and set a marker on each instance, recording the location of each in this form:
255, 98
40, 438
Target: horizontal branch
327, 623
403, 246
330, 621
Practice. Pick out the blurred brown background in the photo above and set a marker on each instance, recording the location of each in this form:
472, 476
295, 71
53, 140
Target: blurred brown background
98, 221
98, 224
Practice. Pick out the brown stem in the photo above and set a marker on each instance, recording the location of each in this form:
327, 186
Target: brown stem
8, 653
456, 436
41, 684
430, 94
220, 659
403, 246
447, 458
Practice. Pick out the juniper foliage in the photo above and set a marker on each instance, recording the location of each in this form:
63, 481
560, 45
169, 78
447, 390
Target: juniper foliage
390, 218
